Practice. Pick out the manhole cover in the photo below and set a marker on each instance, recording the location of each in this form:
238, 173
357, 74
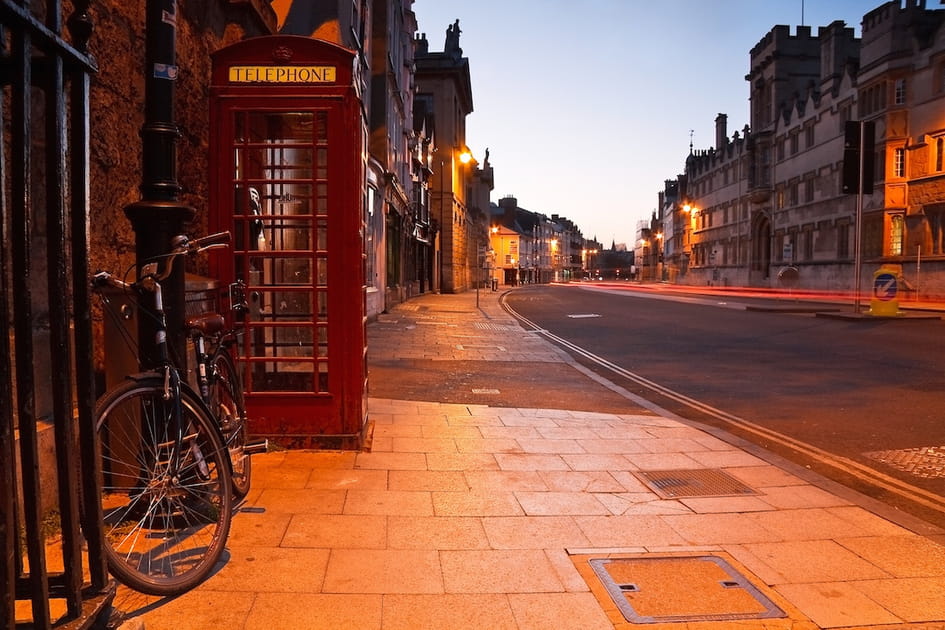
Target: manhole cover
681, 588
686, 483
927, 462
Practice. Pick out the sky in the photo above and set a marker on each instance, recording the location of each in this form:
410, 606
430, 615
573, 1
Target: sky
587, 108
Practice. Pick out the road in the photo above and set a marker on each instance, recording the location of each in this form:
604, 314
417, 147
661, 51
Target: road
859, 400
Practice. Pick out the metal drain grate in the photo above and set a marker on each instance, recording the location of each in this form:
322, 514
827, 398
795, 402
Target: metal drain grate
927, 462
700, 482
468, 346
672, 589
495, 327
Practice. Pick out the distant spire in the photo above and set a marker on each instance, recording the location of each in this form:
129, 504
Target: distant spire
691, 131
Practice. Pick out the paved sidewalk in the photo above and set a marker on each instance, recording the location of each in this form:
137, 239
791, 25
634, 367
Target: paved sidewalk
469, 516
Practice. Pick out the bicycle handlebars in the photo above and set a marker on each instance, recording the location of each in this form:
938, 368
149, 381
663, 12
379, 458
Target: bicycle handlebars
180, 245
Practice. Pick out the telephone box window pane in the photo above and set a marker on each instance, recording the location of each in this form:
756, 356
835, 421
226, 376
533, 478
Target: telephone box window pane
321, 127
276, 163
283, 306
322, 244
239, 127
283, 376
321, 201
321, 165
293, 341
322, 376
286, 271
287, 235
278, 127
290, 198
322, 341
322, 297
282, 341
321, 265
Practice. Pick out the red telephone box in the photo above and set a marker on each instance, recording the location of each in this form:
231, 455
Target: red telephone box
287, 164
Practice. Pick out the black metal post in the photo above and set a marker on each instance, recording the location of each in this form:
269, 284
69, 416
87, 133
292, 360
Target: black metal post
159, 215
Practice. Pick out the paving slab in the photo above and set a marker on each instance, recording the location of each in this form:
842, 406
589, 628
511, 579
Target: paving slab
470, 515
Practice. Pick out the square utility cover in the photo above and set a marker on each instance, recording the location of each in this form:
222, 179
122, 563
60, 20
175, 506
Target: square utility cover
664, 589
691, 483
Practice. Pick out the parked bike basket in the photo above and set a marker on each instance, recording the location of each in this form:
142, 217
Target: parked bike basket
287, 151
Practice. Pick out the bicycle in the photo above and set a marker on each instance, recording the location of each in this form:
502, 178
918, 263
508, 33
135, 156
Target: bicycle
220, 385
167, 493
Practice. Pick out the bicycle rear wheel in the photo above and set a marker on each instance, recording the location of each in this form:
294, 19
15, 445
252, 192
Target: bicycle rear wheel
166, 496
226, 403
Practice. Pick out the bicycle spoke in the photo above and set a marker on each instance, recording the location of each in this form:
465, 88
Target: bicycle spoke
166, 496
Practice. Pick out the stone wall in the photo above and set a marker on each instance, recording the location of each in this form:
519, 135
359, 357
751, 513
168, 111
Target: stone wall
117, 111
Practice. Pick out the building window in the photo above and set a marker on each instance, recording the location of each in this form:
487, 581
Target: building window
899, 92
843, 240
809, 244
780, 149
794, 143
899, 162
846, 113
872, 235
809, 136
939, 153
371, 237
896, 232
792, 194
808, 190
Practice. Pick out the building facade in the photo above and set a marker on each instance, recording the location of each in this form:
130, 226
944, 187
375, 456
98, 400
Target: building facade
445, 89
772, 198
530, 247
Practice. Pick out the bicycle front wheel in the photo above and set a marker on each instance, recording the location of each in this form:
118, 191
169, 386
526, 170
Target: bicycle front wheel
166, 494
226, 403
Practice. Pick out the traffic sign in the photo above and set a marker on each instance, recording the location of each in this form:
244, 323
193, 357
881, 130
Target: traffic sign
885, 287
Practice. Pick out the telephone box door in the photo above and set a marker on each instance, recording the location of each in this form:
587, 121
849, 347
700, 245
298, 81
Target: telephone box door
287, 163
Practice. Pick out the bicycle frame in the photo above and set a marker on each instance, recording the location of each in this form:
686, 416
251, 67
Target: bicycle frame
151, 277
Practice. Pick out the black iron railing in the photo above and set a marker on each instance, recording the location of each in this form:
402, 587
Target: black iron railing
47, 578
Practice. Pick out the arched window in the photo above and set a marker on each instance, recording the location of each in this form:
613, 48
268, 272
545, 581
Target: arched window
896, 232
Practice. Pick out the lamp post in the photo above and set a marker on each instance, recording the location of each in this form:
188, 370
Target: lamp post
659, 255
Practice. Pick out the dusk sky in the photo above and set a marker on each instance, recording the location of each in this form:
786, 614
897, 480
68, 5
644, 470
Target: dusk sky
586, 108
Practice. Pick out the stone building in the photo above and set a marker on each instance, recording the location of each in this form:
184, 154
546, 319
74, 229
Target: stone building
530, 247
456, 182
772, 198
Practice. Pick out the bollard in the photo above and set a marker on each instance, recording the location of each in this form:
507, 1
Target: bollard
885, 302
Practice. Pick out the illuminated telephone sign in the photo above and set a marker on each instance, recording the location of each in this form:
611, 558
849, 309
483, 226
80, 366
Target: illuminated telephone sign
282, 74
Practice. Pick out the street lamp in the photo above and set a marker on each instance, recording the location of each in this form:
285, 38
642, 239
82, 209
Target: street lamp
659, 255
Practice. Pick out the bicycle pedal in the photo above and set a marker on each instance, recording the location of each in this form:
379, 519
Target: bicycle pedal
254, 448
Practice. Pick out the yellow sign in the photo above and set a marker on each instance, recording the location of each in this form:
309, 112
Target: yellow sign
282, 74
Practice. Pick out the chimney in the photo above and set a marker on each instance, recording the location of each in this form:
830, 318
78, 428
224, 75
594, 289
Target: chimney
721, 131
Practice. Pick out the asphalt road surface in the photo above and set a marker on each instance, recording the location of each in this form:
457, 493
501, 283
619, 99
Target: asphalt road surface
858, 400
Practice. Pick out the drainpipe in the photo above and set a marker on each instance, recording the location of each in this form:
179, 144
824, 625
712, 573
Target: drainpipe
159, 215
